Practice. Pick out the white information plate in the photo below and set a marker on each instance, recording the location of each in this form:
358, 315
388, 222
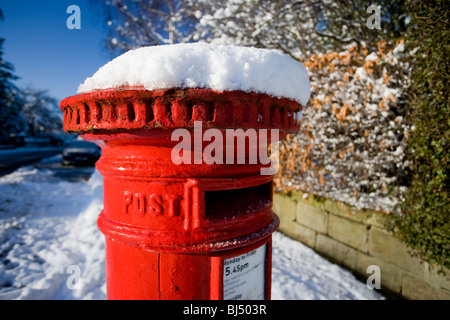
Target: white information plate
244, 276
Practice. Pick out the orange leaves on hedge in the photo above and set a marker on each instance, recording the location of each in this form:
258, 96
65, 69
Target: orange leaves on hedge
340, 112
346, 87
368, 66
386, 77
381, 45
382, 104
322, 179
329, 62
316, 103
392, 98
343, 112
346, 151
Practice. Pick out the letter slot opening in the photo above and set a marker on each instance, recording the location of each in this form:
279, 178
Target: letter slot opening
233, 203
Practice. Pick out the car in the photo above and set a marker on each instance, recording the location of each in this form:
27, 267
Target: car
81, 153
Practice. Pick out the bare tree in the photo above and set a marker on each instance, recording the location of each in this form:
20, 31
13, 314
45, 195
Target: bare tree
280, 24
41, 112
135, 23
299, 28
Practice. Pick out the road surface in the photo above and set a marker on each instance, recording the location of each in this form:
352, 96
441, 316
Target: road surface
12, 159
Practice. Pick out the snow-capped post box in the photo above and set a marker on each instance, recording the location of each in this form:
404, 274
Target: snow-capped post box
187, 180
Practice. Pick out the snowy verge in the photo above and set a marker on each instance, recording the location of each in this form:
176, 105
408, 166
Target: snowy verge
47, 228
299, 273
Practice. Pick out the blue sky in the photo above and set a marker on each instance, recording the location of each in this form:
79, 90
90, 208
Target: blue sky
44, 52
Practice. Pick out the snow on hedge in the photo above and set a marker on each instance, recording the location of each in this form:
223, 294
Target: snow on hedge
352, 143
200, 65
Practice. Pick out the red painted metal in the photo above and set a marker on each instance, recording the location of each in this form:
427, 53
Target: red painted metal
169, 228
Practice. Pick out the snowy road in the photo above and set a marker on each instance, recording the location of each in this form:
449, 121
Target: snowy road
50, 247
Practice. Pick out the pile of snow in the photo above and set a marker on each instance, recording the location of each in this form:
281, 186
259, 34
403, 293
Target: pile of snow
200, 65
48, 233
298, 273
51, 248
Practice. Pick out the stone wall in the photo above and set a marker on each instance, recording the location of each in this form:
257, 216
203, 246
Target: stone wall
357, 239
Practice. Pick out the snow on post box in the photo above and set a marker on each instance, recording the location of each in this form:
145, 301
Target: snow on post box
184, 131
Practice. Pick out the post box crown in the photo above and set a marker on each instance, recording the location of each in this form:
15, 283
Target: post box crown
125, 109
173, 86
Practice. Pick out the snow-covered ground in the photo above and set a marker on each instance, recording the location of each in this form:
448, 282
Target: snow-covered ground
50, 247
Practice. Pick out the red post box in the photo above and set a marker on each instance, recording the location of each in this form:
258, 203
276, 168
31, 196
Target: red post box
192, 229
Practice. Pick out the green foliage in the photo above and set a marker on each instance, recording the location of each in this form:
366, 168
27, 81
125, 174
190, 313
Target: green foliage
424, 223
11, 121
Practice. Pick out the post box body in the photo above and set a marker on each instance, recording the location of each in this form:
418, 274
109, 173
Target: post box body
181, 231
167, 236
